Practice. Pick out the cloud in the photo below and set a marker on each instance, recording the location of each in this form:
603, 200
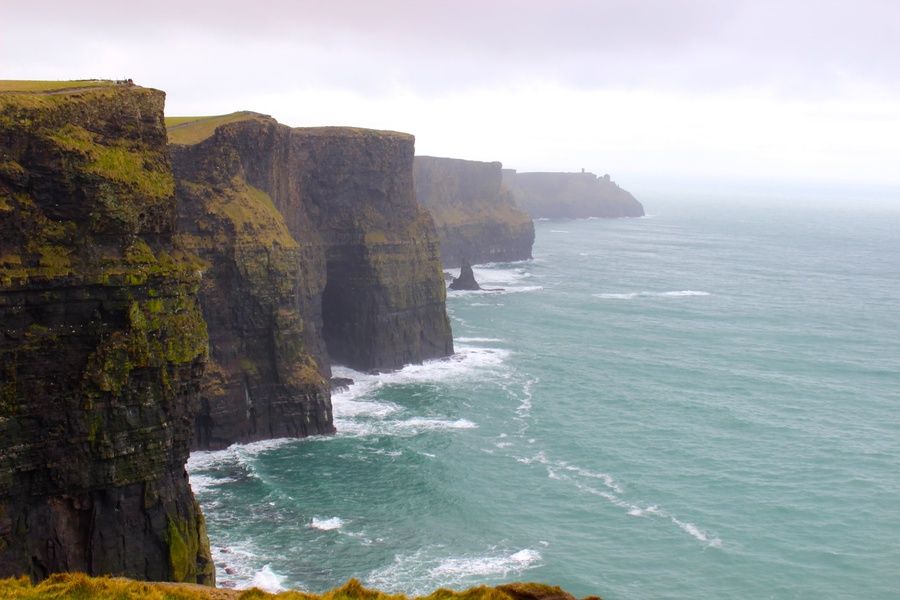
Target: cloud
433, 47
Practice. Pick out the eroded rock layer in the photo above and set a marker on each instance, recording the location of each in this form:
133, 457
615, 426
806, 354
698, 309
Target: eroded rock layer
475, 214
103, 344
262, 382
570, 195
318, 252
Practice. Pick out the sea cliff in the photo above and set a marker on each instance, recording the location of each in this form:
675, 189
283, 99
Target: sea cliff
103, 342
475, 214
570, 195
264, 380
318, 253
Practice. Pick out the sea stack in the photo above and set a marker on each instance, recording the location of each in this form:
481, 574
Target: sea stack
466, 279
103, 343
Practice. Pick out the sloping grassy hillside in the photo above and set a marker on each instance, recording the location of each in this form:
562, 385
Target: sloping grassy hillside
192, 130
76, 586
27, 85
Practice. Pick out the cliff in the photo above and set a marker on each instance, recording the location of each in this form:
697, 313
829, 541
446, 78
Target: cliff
475, 214
318, 252
570, 195
263, 380
103, 343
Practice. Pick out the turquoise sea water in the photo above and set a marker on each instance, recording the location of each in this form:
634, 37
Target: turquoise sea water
700, 404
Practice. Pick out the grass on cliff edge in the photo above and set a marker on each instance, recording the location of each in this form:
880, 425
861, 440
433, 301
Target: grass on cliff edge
77, 586
31, 86
193, 130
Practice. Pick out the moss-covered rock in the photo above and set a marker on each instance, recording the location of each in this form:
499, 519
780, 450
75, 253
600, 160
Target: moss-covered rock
263, 380
476, 218
369, 274
102, 343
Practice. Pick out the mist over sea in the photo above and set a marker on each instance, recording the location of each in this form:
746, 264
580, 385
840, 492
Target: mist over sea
703, 403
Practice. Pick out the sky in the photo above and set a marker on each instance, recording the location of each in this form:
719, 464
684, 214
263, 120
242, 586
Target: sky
645, 90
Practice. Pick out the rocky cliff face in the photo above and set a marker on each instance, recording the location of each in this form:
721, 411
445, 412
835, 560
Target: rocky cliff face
475, 214
263, 380
102, 345
570, 195
319, 226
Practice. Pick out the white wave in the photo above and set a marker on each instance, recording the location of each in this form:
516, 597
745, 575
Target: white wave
236, 564
698, 533
496, 291
268, 580
238, 455
418, 573
558, 231
486, 565
633, 295
347, 408
683, 293
468, 340
404, 428
202, 483
559, 470
328, 524
494, 274
468, 362
642, 512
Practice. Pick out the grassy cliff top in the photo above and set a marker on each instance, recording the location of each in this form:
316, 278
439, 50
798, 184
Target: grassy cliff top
351, 132
193, 130
77, 586
28, 86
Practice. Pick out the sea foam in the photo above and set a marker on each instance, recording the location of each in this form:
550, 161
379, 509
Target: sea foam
326, 524
645, 294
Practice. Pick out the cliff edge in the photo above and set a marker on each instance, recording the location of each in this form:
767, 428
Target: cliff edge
264, 380
475, 214
103, 343
318, 252
571, 195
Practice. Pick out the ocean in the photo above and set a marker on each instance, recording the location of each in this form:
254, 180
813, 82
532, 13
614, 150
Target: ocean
702, 403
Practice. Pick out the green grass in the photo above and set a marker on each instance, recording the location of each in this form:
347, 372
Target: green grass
76, 586
26, 85
192, 130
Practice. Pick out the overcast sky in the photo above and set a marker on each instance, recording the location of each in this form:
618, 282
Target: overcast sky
641, 89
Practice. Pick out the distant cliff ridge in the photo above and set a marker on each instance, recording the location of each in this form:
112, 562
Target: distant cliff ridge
475, 215
318, 252
103, 343
570, 195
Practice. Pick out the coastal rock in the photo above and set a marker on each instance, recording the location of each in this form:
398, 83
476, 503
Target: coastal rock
475, 214
103, 343
570, 195
319, 227
466, 279
262, 381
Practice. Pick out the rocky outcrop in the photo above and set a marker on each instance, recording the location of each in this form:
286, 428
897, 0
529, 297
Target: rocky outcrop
570, 195
103, 344
475, 215
263, 380
383, 305
466, 279
319, 226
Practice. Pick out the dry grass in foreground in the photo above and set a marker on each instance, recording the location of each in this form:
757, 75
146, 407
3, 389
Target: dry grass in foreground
77, 586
